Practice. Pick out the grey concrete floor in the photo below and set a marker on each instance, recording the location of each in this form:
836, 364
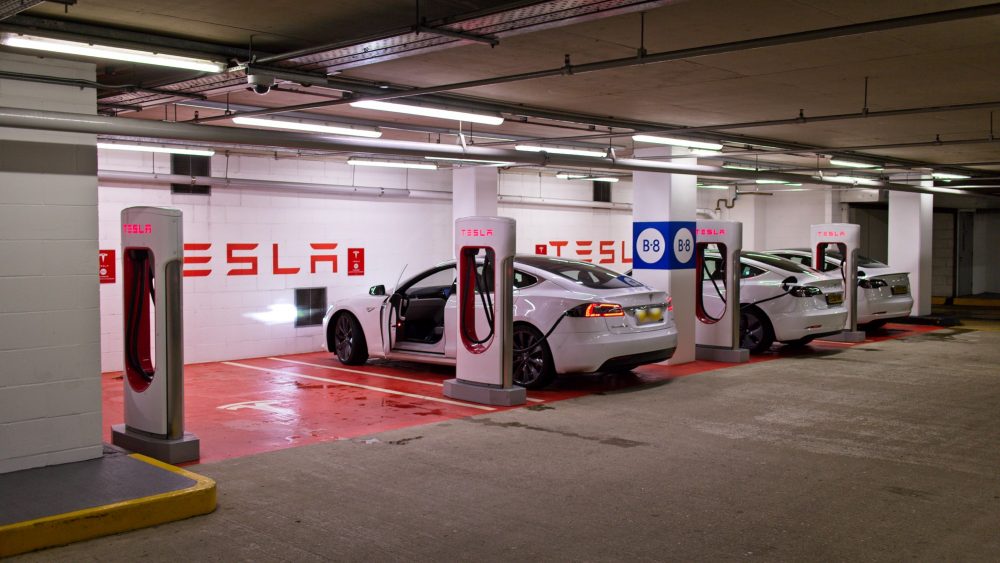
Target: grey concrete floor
887, 451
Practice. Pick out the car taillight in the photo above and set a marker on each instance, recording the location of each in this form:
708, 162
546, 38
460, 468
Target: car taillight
804, 291
670, 304
871, 284
597, 310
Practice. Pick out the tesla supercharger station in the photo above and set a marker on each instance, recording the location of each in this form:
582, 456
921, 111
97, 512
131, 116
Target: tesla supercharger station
484, 252
845, 238
717, 330
152, 260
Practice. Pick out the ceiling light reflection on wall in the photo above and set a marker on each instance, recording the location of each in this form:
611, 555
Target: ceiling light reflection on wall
471, 161
485, 119
144, 148
108, 52
392, 164
947, 176
676, 142
782, 182
555, 150
309, 127
565, 176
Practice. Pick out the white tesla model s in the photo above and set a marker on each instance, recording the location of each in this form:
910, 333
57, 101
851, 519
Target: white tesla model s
569, 316
883, 293
780, 300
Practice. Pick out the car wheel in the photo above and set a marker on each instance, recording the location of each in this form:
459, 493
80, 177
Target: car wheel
756, 333
349, 340
874, 325
533, 366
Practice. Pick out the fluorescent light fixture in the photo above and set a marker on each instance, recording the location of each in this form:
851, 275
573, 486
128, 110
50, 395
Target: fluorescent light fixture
739, 167
565, 176
144, 148
554, 150
705, 152
852, 180
392, 164
676, 142
107, 52
947, 176
851, 163
775, 182
471, 161
429, 112
310, 127
714, 187
944, 190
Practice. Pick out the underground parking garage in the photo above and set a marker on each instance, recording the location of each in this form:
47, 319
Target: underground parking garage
551, 280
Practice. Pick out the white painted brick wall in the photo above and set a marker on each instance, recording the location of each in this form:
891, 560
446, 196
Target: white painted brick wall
229, 317
50, 387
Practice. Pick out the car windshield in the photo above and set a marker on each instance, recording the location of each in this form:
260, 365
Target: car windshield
777, 262
587, 275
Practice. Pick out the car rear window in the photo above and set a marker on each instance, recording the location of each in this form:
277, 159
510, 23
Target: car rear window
777, 262
863, 261
583, 273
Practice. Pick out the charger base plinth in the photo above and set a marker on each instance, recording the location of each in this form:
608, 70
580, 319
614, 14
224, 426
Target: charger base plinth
485, 394
847, 336
721, 354
175, 451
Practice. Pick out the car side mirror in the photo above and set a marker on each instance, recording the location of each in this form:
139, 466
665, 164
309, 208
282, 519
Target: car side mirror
788, 282
376, 290
861, 274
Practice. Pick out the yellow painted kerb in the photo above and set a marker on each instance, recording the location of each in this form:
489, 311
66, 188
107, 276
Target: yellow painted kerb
113, 518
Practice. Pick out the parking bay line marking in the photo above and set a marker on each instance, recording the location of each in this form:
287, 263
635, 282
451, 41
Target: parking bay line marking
360, 386
374, 374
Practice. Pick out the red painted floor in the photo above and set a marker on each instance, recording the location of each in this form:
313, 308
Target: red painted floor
256, 405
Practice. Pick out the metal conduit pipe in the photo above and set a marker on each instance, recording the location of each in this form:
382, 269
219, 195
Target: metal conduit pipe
116, 178
95, 124
746, 44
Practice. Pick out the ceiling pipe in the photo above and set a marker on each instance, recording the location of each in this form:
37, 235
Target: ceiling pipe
800, 120
117, 178
680, 54
96, 124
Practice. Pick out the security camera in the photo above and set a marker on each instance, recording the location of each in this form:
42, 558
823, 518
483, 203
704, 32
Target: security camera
260, 83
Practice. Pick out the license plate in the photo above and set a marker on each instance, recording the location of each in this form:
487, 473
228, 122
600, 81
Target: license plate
650, 315
834, 298
900, 290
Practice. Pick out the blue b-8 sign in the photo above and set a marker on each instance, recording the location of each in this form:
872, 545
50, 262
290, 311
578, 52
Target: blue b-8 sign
663, 245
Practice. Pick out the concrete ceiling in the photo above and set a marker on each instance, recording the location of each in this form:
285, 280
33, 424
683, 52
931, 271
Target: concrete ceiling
936, 64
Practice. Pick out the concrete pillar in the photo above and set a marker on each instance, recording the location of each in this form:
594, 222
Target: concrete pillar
751, 210
50, 333
474, 191
911, 220
669, 197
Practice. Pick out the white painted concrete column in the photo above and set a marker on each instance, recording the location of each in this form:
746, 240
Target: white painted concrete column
474, 191
911, 220
669, 197
50, 333
751, 210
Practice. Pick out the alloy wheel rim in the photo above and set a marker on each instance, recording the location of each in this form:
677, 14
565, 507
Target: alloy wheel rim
751, 329
529, 361
344, 337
